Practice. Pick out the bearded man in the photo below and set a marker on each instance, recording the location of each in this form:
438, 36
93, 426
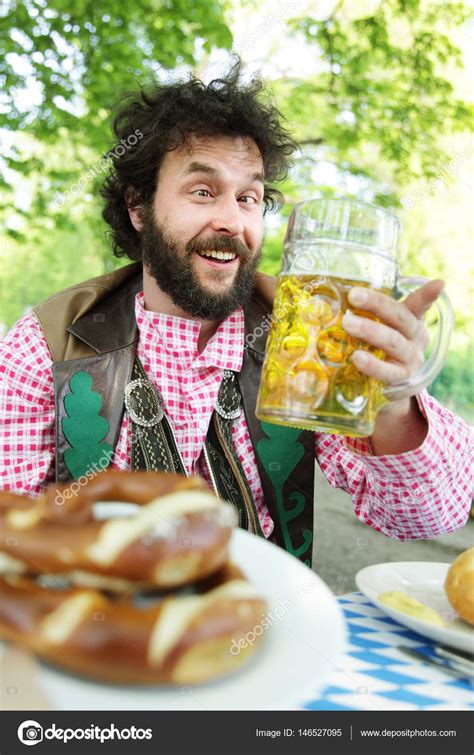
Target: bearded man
157, 364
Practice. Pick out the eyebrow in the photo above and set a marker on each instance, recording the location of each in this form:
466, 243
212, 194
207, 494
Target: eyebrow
196, 167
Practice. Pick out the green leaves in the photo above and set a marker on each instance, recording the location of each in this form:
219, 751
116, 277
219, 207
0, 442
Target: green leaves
62, 67
383, 84
75, 52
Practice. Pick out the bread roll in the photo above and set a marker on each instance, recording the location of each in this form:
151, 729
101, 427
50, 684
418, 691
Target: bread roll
459, 585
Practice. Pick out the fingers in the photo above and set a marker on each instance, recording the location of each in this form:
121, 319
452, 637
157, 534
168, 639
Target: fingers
377, 334
400, 334
419, 301
403, 316
389, 373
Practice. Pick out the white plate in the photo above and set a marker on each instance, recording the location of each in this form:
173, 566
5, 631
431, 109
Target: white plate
306, 635
425, 582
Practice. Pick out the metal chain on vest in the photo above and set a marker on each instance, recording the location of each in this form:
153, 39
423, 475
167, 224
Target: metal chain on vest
154, 446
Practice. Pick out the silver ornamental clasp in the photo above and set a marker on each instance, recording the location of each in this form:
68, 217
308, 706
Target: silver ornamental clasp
143, 403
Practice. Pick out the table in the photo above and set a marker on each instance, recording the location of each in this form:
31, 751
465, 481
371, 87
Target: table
374, 675
371, 675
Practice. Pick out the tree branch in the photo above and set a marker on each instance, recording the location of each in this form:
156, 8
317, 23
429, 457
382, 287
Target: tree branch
315, 142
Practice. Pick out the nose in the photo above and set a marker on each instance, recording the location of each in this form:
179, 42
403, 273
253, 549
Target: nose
227, 218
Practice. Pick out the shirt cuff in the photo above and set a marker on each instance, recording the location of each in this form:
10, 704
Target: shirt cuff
431, 456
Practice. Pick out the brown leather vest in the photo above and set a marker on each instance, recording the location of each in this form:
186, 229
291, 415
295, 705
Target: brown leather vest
92, 327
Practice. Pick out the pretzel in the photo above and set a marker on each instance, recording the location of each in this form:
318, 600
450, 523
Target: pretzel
184, 639
179, 534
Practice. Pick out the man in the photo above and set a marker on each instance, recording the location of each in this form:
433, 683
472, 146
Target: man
150, 366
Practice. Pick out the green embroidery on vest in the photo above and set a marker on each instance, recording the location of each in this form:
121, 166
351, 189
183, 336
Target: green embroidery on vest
84, 428
279, 454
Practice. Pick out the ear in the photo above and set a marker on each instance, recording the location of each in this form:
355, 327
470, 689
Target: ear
134, 209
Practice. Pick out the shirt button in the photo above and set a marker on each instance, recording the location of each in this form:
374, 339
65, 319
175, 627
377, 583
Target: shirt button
202, 424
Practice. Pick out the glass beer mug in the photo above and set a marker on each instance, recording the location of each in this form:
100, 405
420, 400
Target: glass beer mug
308, 378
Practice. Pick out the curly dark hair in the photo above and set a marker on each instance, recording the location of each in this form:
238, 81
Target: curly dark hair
163, 117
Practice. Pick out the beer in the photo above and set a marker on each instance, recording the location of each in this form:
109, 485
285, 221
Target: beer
309, 379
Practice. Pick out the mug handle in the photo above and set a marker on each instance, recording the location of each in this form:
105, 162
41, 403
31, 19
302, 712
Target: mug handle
434, 364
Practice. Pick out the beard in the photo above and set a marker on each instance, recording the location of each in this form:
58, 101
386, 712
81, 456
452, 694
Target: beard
173, 271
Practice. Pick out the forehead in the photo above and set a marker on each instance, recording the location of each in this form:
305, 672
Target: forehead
229, 156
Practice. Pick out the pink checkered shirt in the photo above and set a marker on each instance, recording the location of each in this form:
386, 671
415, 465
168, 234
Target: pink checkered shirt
418, 494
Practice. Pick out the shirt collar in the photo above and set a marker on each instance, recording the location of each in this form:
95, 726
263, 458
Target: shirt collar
179, 337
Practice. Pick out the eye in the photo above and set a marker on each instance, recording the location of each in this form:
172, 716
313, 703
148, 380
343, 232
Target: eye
252, 200
202, 192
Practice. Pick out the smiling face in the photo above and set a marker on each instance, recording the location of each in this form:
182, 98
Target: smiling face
202, 235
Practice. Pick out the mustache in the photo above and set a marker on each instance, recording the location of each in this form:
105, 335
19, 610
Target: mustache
219, 244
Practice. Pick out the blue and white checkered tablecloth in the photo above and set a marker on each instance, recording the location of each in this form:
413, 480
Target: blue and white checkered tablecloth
374, 675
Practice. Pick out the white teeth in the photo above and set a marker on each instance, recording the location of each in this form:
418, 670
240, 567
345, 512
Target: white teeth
219, 255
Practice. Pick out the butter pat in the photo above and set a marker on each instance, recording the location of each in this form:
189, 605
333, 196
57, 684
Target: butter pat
404, 603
